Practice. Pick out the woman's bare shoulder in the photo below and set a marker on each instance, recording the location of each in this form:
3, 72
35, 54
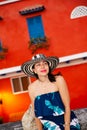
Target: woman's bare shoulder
59, 78
60, 81
31, 89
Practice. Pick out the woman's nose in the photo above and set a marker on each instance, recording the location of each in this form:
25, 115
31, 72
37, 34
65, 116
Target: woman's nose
42, 65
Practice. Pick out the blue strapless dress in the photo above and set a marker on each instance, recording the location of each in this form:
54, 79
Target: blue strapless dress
50, 110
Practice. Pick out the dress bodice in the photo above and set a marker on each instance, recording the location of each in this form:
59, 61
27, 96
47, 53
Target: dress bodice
50, 110
48, 104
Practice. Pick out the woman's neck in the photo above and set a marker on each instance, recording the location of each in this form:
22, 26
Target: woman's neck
43, 79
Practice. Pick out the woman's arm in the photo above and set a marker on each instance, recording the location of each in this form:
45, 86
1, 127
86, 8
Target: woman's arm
63, 90
39, 125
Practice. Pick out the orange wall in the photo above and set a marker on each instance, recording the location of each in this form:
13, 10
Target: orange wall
12, 103
66, 37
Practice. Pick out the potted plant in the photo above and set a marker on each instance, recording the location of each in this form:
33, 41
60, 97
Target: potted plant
3, 51
39, 42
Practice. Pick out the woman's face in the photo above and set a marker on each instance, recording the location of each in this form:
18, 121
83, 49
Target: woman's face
41, 68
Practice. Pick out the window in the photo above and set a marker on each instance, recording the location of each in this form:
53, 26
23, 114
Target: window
78, 12
20, 84
35, 27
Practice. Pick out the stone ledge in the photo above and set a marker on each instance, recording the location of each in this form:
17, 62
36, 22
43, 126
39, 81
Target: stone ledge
82, 117
80, 113
11, 126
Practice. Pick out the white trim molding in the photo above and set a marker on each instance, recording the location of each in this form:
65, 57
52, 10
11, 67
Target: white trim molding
65, 61
8, 2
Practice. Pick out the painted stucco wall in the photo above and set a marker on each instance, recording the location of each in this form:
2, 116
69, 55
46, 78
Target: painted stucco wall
66, 36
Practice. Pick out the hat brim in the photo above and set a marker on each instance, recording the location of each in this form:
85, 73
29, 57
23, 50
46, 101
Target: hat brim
27, 66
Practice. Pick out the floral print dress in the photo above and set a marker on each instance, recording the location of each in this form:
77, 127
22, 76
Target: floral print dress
50, 110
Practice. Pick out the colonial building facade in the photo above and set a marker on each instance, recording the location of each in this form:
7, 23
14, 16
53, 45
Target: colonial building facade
52, 27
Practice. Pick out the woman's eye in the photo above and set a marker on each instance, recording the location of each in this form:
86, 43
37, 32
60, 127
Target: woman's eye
37, 64
45, 63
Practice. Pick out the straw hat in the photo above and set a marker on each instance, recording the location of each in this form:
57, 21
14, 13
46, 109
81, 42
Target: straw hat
27, 66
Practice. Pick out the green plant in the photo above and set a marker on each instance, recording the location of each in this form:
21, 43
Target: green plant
39, 42
3, 53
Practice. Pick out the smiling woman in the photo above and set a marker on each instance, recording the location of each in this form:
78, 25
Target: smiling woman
50, 93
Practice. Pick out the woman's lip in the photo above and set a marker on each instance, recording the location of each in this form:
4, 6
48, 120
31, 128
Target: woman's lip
43, 70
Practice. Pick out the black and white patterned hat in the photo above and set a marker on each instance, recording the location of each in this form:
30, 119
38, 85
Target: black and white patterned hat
27, 66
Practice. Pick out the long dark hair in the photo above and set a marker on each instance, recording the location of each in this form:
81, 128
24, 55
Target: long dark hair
50, 75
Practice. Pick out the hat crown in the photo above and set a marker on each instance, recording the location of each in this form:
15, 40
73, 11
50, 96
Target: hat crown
38, 56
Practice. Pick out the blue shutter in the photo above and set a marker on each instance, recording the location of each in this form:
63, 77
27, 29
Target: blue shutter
35, 27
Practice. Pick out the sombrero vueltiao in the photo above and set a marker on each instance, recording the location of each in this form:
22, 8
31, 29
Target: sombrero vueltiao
27, 66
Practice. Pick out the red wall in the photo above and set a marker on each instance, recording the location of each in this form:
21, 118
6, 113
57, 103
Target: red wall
76, 78
66, 36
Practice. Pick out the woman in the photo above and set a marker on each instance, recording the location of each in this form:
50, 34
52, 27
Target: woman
49, 95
